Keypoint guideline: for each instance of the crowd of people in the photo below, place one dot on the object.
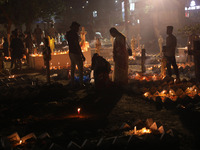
(23, 44)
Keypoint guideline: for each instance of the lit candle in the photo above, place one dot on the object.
(135, 130)
(20, 142)
(79, 111)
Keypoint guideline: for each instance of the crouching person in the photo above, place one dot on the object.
(101, 69)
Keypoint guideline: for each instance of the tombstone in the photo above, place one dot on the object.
(160, 42)
(133, 43)
(143, 57)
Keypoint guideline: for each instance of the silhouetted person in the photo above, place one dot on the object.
(169, 52)
(52, 32)
(29, 45)
(38, 35)
(47, 57)
(75, 52)
(193, 37)
(5, 47)
(17, 50)
(101, 69)
(120, 56)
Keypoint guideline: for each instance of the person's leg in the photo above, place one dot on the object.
(80, 69)
(20, 64)
(168, 65)
(176, 71)
(12, 61)
(72, 68)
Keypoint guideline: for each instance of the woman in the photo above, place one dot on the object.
(120, 57)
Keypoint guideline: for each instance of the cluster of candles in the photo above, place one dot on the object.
(179, 66)
(139, 77)
(138, 132)
(171, 94)
(55, 53)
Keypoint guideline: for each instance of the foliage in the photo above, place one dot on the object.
(27, 11)
(189, 29)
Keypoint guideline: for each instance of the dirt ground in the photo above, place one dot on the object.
(53, 108)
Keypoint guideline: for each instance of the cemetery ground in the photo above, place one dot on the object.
(29, 105)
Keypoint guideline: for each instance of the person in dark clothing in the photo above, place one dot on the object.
(5, 47)
(101, 69)
(169, 52)
(47, 57)
(75, 52)
(17, 51)
(29, 45)
(38, 36)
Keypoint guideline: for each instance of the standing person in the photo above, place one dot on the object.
(5, 47)
(38, 36)
(52, 33)
(169, 52)
(193, 37)
(29, 45)
(47, 58)
(17, 50)
(120, 56)
(75, 52)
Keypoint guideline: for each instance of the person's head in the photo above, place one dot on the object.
(95, 55)
(15, 33)
(113, 32)
(169, 30)
(75, 26)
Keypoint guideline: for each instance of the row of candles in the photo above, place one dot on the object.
(139, 77)
(171, 94)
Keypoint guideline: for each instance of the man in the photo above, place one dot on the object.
(17, 51)
(169, 52)
(38, 35)
(75, 52)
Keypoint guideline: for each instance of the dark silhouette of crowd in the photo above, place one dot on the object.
(22, 44)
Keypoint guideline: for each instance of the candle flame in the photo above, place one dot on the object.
(138, 132)
(79, 110)
(20, 142)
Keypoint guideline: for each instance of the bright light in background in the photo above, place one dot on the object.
(94, 13)
(132, 6)
(192, 3)
(83, 6)
(138, 21)
(87, 2)
(116, 1)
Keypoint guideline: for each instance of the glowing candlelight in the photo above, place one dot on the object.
(135, 130)
(20, 142)
(79, 111)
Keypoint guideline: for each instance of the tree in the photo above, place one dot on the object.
(187, 30)
(20, 12)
